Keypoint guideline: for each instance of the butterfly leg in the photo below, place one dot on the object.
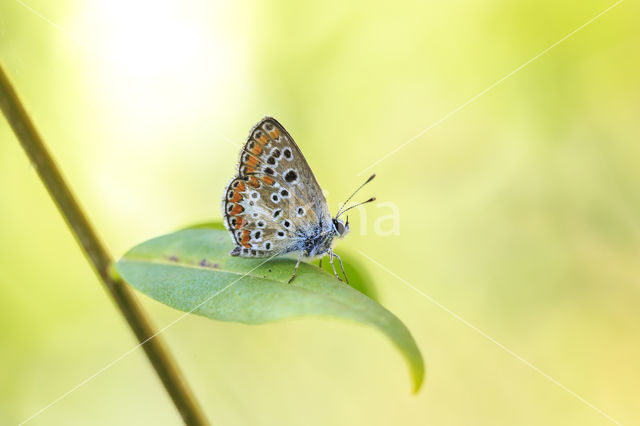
(333, 266)
(295, 270)
(342, 268)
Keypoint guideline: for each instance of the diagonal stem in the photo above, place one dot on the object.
(162, 362)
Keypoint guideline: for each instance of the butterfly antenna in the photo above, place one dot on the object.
(354, 193)
(354, 206)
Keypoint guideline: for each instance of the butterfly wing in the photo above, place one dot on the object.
(275, 202)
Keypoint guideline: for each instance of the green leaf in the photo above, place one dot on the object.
(208, 225)
(358, 276)
(191, 270)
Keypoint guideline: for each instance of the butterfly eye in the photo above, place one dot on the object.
(339, 227)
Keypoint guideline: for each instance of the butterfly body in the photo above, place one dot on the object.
(275, 205)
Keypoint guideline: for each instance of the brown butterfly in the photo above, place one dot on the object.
(275, 205)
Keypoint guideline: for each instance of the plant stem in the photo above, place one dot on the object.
(165, 366)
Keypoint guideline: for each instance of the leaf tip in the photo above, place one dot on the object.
(418, 376)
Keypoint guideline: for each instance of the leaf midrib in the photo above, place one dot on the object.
(196, 266)
(179, 264)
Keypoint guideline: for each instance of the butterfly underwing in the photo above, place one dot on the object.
(274, 205)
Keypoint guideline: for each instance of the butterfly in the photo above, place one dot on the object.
(275, 206)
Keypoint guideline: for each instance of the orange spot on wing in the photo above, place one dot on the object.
(237, 196)
(240, 222)
(257, 149)
(274, 134)
(240, 187)
(246, 235)
(252, 162)
(268, 180)
(263, 139)
(250, 170)
(237, 209)
(253, 181)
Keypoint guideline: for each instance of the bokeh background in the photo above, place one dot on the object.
(520, 213)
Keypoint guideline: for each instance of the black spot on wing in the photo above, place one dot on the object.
(290, 176)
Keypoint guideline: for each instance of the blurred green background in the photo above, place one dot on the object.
(520, 213)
